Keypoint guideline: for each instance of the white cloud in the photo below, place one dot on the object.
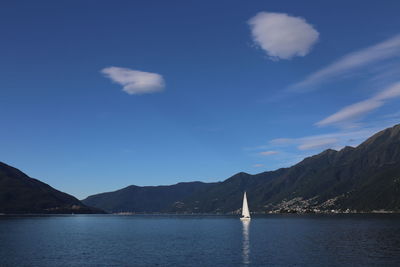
(281, 141)
(282, 36)
(135, 82)
(323, 141)
(258, 165)
(357, 110)
(350, 62)
(380, 75)
(268, 153)
(394, 115)
(293, 150)
(318, 143)
(390, 92)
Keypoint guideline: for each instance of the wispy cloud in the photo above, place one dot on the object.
(318, 143)
(282, 36)
(355, 111)
(281, 141)
(258, 165)
(293, 150)
(135, 82)
(394, 115)
(383, 74)
(333, 140)
(350, 62)
(268, 153)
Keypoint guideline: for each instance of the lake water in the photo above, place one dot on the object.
(140, 240)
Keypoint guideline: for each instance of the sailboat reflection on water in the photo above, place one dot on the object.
(246, 243)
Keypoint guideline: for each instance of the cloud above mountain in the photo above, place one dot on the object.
(282, 36)
(268, 153)
(351, 62)
(355, 111)
(135, 82)
(323, 141)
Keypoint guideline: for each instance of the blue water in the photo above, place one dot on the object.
(139, 240)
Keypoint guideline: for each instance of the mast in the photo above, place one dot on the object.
(245, 208)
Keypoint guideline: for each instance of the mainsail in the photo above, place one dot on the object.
(245, 208)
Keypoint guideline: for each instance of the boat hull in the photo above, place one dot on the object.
(244, 219)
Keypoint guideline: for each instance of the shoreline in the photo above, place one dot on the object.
(202, 214)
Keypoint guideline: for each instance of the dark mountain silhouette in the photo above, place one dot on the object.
(364, 178)
(22, 194)
(146, 198)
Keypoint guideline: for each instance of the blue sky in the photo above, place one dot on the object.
(98, 95)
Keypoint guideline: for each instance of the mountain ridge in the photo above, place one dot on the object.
(362, 178)
(21, 194)
(144, 198)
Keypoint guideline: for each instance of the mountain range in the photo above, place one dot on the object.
(355, 179)
(365, 178)
(21, 194)
(146, 198)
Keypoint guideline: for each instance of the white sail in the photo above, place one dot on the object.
(245, 208)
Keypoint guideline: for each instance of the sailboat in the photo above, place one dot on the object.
(245, 209)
